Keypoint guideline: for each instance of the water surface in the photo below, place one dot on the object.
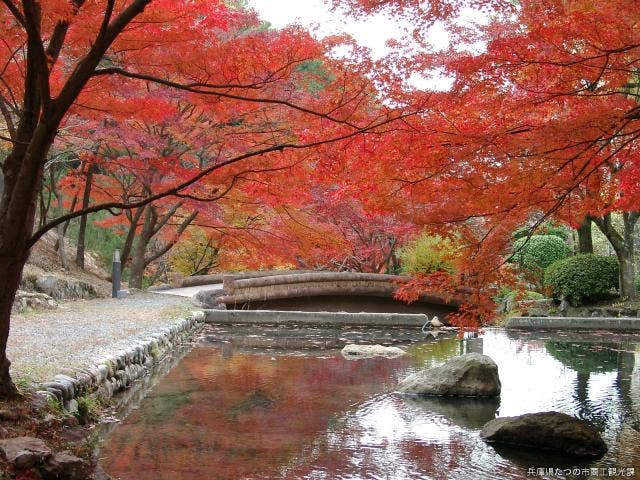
(233, 409)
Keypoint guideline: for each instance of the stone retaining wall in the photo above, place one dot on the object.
(118, 371)
(271, 317)
(617, 324)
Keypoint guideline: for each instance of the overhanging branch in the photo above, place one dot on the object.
(176, 191)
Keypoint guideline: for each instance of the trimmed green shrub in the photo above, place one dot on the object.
(539, 252)
(545, 229)
(428, 254)
(531, 295)
(583, 278)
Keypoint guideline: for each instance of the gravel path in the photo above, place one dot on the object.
(191, 291)
(81, 333)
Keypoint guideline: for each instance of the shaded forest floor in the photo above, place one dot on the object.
(44, 259)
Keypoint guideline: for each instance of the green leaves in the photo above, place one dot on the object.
(583, 278)
(428, 254)
(539, 251)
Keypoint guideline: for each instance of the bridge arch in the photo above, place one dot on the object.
(328, 291)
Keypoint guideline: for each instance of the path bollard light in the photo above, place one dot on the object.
(115, 274)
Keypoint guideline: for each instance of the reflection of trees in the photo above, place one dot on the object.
(628, 434)
(435, 352)
(242, 416)
(585, 359)
(468, 413)
(626, 365)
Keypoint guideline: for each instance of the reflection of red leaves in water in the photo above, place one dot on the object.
(238, 417)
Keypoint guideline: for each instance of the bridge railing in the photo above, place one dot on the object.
(179, 281)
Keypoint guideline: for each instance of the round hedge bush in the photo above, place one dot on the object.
(539, 252)
(583, 278)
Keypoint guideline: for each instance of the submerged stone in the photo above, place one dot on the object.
(352, 351)
(470, 375)
(551, 431)
(465, 412)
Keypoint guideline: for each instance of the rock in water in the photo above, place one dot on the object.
(470, 375)
(367, 351)
(553, 431)
(24, 452)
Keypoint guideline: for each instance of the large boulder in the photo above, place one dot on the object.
(352, 351)
(64, 465)
(211, 299)
(25, 301)
(60, 288)
(24, 452)
(552, 431)
(470, 375)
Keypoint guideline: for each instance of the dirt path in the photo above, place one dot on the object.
(81, 333)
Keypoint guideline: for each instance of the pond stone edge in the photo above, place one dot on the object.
(118, 371)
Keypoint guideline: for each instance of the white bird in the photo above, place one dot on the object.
(434, 323)
(425, 326)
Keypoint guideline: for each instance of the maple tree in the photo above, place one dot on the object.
(541, 120)
(123, 63)
(198, 102)
(332, 232)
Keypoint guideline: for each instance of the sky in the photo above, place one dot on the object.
(372, 32)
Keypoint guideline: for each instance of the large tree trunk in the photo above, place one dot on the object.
(627, 272)
(624, 248)
(152, 225)
(23, 172)
(10, 273)
(83, 220)
(585, 239)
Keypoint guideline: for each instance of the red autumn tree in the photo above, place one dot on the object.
(541, 120)
(86, 58)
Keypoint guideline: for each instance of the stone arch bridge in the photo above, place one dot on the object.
(313, 291)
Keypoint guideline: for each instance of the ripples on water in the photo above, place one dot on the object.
(232, 409)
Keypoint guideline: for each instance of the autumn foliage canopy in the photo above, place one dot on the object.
(196, 114)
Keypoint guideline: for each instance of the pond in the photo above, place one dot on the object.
(274, 403)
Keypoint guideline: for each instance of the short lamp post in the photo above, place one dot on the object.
(115, 274)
